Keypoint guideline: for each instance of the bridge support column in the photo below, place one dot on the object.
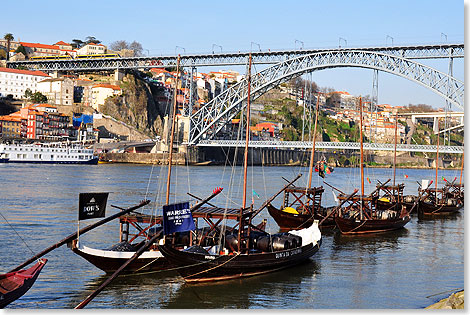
(118, 75)
(435, 125)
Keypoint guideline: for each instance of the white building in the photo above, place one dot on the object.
(92, 49)
(101, 92)
(15, 82)
(59, 91)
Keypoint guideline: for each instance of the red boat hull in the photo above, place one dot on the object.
(13, 285)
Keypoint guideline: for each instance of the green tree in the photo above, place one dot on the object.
(77, 43)
(8, 37)
(36, 97)
(22, 50)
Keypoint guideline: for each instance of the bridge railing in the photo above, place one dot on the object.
(331, 145)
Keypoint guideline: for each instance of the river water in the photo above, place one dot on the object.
(406, 269)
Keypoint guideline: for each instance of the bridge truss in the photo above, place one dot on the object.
(213, 116)
(223, 59)
(331, 146)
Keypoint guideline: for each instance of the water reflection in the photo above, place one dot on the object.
(287, 288)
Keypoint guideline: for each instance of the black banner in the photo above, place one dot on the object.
(92, 205)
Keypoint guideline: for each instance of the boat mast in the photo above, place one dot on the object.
(437, 157)
(362, 155)
(247, 134)
(461, 170)
(362, 149)
(310, 171)
(395, 149)
(173, 116)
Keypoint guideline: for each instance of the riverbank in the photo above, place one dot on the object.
(454, 301)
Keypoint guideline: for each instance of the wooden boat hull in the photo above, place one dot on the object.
(196, 267)
(430, 208)
(110, 261)
(353, 226)
(290, 221)
(13, 285)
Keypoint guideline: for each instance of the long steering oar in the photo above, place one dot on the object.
(138, 253)
(117, 272)
(81, 231)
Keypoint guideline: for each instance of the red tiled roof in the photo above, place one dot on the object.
(37, 45)
(109, 86)
(37, 73)
(62, 43)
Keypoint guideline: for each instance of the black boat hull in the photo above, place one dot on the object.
(196, 267)
(291, 221)
(353, 226)
(431, 209)
(111, 264)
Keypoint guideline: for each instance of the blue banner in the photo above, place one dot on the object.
(177, 218)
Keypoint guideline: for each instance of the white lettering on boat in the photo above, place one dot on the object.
(289, 253)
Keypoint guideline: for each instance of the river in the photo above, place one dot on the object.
(406, 269)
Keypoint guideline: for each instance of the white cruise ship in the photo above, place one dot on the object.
(54, 153)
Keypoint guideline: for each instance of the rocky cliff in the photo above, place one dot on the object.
(138, 105)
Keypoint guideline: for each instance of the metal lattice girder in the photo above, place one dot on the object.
(214, 115)
(221, 59)
(331, 145)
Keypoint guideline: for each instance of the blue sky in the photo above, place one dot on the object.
(161, 26)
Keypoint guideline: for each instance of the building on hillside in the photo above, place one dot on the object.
(59, 91)
(15, 82)
(100, 92)
(45, 122)
(37, 49)
(92, 49)
(10, 127)
(63, 45)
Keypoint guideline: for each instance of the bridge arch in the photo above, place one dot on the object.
(214, 115)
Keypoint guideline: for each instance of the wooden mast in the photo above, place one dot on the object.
(173, 116)
(395, 149)
(312, 155)
(362, 149)
(437, 157)
(362, 156)
(247, 134)
(461, 170)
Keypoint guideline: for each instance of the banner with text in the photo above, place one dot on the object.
(177, 218)
(92, 205)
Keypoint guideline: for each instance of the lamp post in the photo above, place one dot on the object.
(388, 36)
(259, 47)
(299, 42)
(181, 48)
(216, 46)
(345, 42)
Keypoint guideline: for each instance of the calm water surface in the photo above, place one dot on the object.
(394, 270)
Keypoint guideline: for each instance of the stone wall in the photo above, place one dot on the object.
(144, 158)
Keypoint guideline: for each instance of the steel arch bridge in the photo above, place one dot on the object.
(213, 116)
(235, 58)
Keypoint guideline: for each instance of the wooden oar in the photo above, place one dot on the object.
(137, 255)
(339, 206)
(81, 231)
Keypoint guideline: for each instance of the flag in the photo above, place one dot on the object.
(406, 176)
(177, 218)
(368, 180)
(444, 179)
(92, 205)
